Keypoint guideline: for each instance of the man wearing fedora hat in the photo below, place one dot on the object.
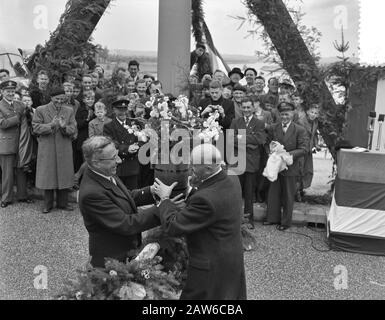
(55, 126)
(282, 191)
(235, 76)
(118, 130)
(11, 116)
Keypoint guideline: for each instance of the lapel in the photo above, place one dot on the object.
(51, 110)
(120, 190)
(120, 128)
(221, 175)
(279, 133)
(127, 194)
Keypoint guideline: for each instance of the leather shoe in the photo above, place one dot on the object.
(250, 225)
(282, 228)
(5, 204)
(26, 200)
(66, 208)
(46, 210)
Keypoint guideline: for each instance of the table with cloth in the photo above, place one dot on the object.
(356, 220)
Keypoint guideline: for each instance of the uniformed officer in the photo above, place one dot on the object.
(120, 131)
(11, 114)
(281, 192)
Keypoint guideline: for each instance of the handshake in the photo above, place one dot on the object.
(163, 192)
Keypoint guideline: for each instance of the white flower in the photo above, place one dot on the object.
(141, 136)
(167, 99)
(164, 114)
(78, 295)
(113, 273)
(154, 114)
(148, 104)
(164, 106)
(132, 291)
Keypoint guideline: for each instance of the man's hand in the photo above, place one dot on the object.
(179, 201)
(133, 148)
(163, 191)
(90, 114)
(54, 123)
(221, 111)
(62, 122)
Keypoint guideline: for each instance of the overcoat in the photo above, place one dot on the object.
(211, 223)
(54, 169)
(111, 216)
(10, 117)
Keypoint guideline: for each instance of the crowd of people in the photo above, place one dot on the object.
(53, 123)
(61, 138)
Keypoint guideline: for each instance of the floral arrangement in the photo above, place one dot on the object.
(157, 271)
(177, 113)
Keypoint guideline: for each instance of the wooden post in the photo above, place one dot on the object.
(174, 45)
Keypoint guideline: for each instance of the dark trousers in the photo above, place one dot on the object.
(131, 182)
(7, 164)
(61, 198)
(21, 184)
(281, 194)
(247, 181)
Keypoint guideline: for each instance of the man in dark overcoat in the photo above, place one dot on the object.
(120, 131)
(109, 210)
(211, 223)
(282, 191)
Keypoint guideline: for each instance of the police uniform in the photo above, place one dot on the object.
(128, 171)
(11, 113)
(282, 191)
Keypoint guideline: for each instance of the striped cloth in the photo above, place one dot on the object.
(356, 220)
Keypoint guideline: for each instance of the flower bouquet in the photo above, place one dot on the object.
(171, 129)
(142, 278)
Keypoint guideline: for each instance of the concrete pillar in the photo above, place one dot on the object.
(174, 45)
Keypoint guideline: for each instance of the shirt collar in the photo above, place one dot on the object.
(214, 174)
(9, 102)
(121, 122)
(102, 175)
(288, 125)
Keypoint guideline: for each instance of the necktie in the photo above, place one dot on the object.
(284, 127)
(247, 120)
(112, 179)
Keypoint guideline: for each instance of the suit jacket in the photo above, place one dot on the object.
(123, 139)
(228, 108)
(255, 138)
(111, 216)
(10, 117)
(82, 125)
(295, 142)
(211, 223)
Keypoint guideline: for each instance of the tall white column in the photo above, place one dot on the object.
(174, 45)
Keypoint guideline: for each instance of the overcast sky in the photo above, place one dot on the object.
(133, 24)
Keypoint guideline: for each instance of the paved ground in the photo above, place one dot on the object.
(283, 266)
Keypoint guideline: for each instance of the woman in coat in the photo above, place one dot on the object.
(55, 126)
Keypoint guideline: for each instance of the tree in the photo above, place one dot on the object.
(69, 46)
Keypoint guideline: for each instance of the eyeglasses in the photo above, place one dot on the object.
(116, 157)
